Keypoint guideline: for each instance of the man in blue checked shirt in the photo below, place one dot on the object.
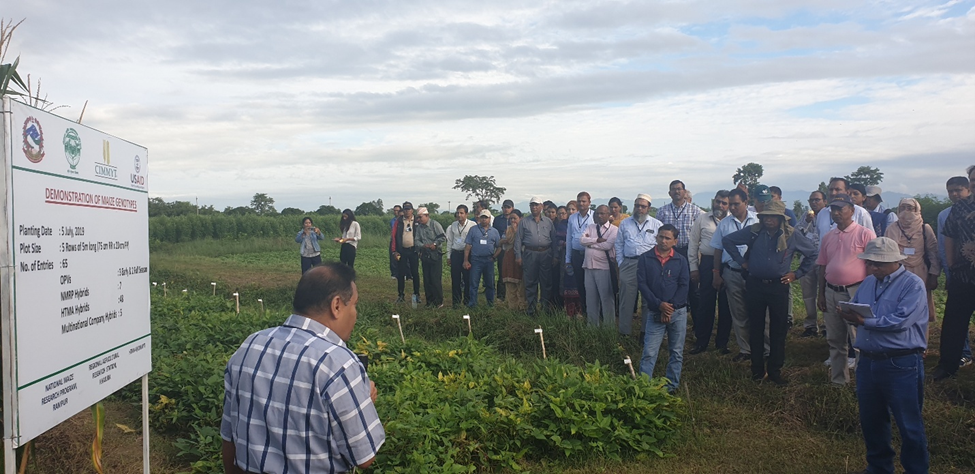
(296, 398)
(890, 372)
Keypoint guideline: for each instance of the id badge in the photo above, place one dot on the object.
(909, 251)
(458, 241)
(484, 242)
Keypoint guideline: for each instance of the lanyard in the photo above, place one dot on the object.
(582, 223)
(677, 215)
(640, 227)
(876, 297)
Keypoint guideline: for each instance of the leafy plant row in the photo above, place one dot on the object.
(452, 406)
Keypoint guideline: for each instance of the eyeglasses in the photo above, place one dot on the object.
(641, 206)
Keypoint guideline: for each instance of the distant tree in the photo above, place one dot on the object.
(328, 209)
(798, 208)
(866, 176)
(824, 188)
(238, 211)
(431, 206)
(157, 207)
(930, 207)
(483, 188)
(207, 210)
(749, 175)
(263, 205)
(291, 211)
(372, 208)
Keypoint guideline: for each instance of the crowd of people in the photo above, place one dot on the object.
(731, 267)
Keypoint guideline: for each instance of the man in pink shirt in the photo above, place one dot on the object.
(599, 239)
(840, 274)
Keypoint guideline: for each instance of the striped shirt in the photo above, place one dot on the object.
(297, 400)
(682, 218)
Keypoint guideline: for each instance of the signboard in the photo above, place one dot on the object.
(76, 264)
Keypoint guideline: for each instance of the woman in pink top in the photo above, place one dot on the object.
(918, 241)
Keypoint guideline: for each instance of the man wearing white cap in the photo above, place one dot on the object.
(429, 239)
(637, 235)
(890, 373)
(480, 252)
(881, 216)
(533, 250)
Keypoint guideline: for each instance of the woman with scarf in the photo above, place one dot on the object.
(919, 243)
(511, 271)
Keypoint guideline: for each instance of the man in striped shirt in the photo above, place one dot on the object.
(296, 398)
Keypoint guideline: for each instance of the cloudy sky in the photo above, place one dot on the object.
(359, 100)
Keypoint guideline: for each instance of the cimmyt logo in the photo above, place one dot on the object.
(33, 140)
(72, 147)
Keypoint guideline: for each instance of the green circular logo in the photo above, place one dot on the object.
(72, 147)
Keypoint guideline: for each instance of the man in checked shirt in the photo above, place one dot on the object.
(296, 398)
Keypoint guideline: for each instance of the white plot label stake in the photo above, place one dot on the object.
(164, 289)
(541, 337)
(214, 285)
(468, 318)
(629, 364)
(400, 325)
(237, 299)
(261, 301)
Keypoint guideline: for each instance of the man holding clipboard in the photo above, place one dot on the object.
(890, 372)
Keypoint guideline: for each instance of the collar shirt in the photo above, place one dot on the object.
(682, 218)
(824, 220)
(838, 251)
(900, 307)
(960, 226)
(575, 228)
(764, 260)
(942, 217)
(297, 400)
(483, 241)
(430, 233)
(353, 234)
(457, 234)
(700, 242)
(534, 234)
(809, 229)
(663, 282)
(598, 253)
(635, 239)
(500, 224)
(727, 226)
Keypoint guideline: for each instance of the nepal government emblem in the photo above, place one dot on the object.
(33, 140)
(72, 147)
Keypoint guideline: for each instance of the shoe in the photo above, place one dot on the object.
(851, 362)
(415, 300)
(939, 374)
(741, 357)
(778, 380)
(822, 334)
(400, 299)
(440, 306)
(758, 377)
(697, 350)
(828, 362)
(809, 332)
(724, 351)
(392, 277)
(964, 362)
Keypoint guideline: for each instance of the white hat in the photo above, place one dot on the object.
(421, 211)
(535, 200)
(882, 249)
(874, 191)
(645, 197)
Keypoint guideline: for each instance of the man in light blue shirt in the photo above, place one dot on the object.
(730, 275)
(890, 372)
(575, 252)
(637, 235)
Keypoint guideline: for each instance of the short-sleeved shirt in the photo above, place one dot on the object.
(838, 253)
(297, 399)
(483, 242)
(960, 226)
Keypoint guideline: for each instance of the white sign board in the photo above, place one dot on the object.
(76, 263)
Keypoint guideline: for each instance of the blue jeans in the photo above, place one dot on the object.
(892, 386)
(482, 266)
(654, 331)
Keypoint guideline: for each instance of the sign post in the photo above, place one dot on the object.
(74, 269)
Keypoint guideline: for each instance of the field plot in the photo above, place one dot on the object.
(488, 402)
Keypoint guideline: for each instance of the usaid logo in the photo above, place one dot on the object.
(136, 178)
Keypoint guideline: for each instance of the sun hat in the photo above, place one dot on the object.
(485, 213)
(773, 208)
(882, 249)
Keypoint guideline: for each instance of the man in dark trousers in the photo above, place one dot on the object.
(771, 245)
